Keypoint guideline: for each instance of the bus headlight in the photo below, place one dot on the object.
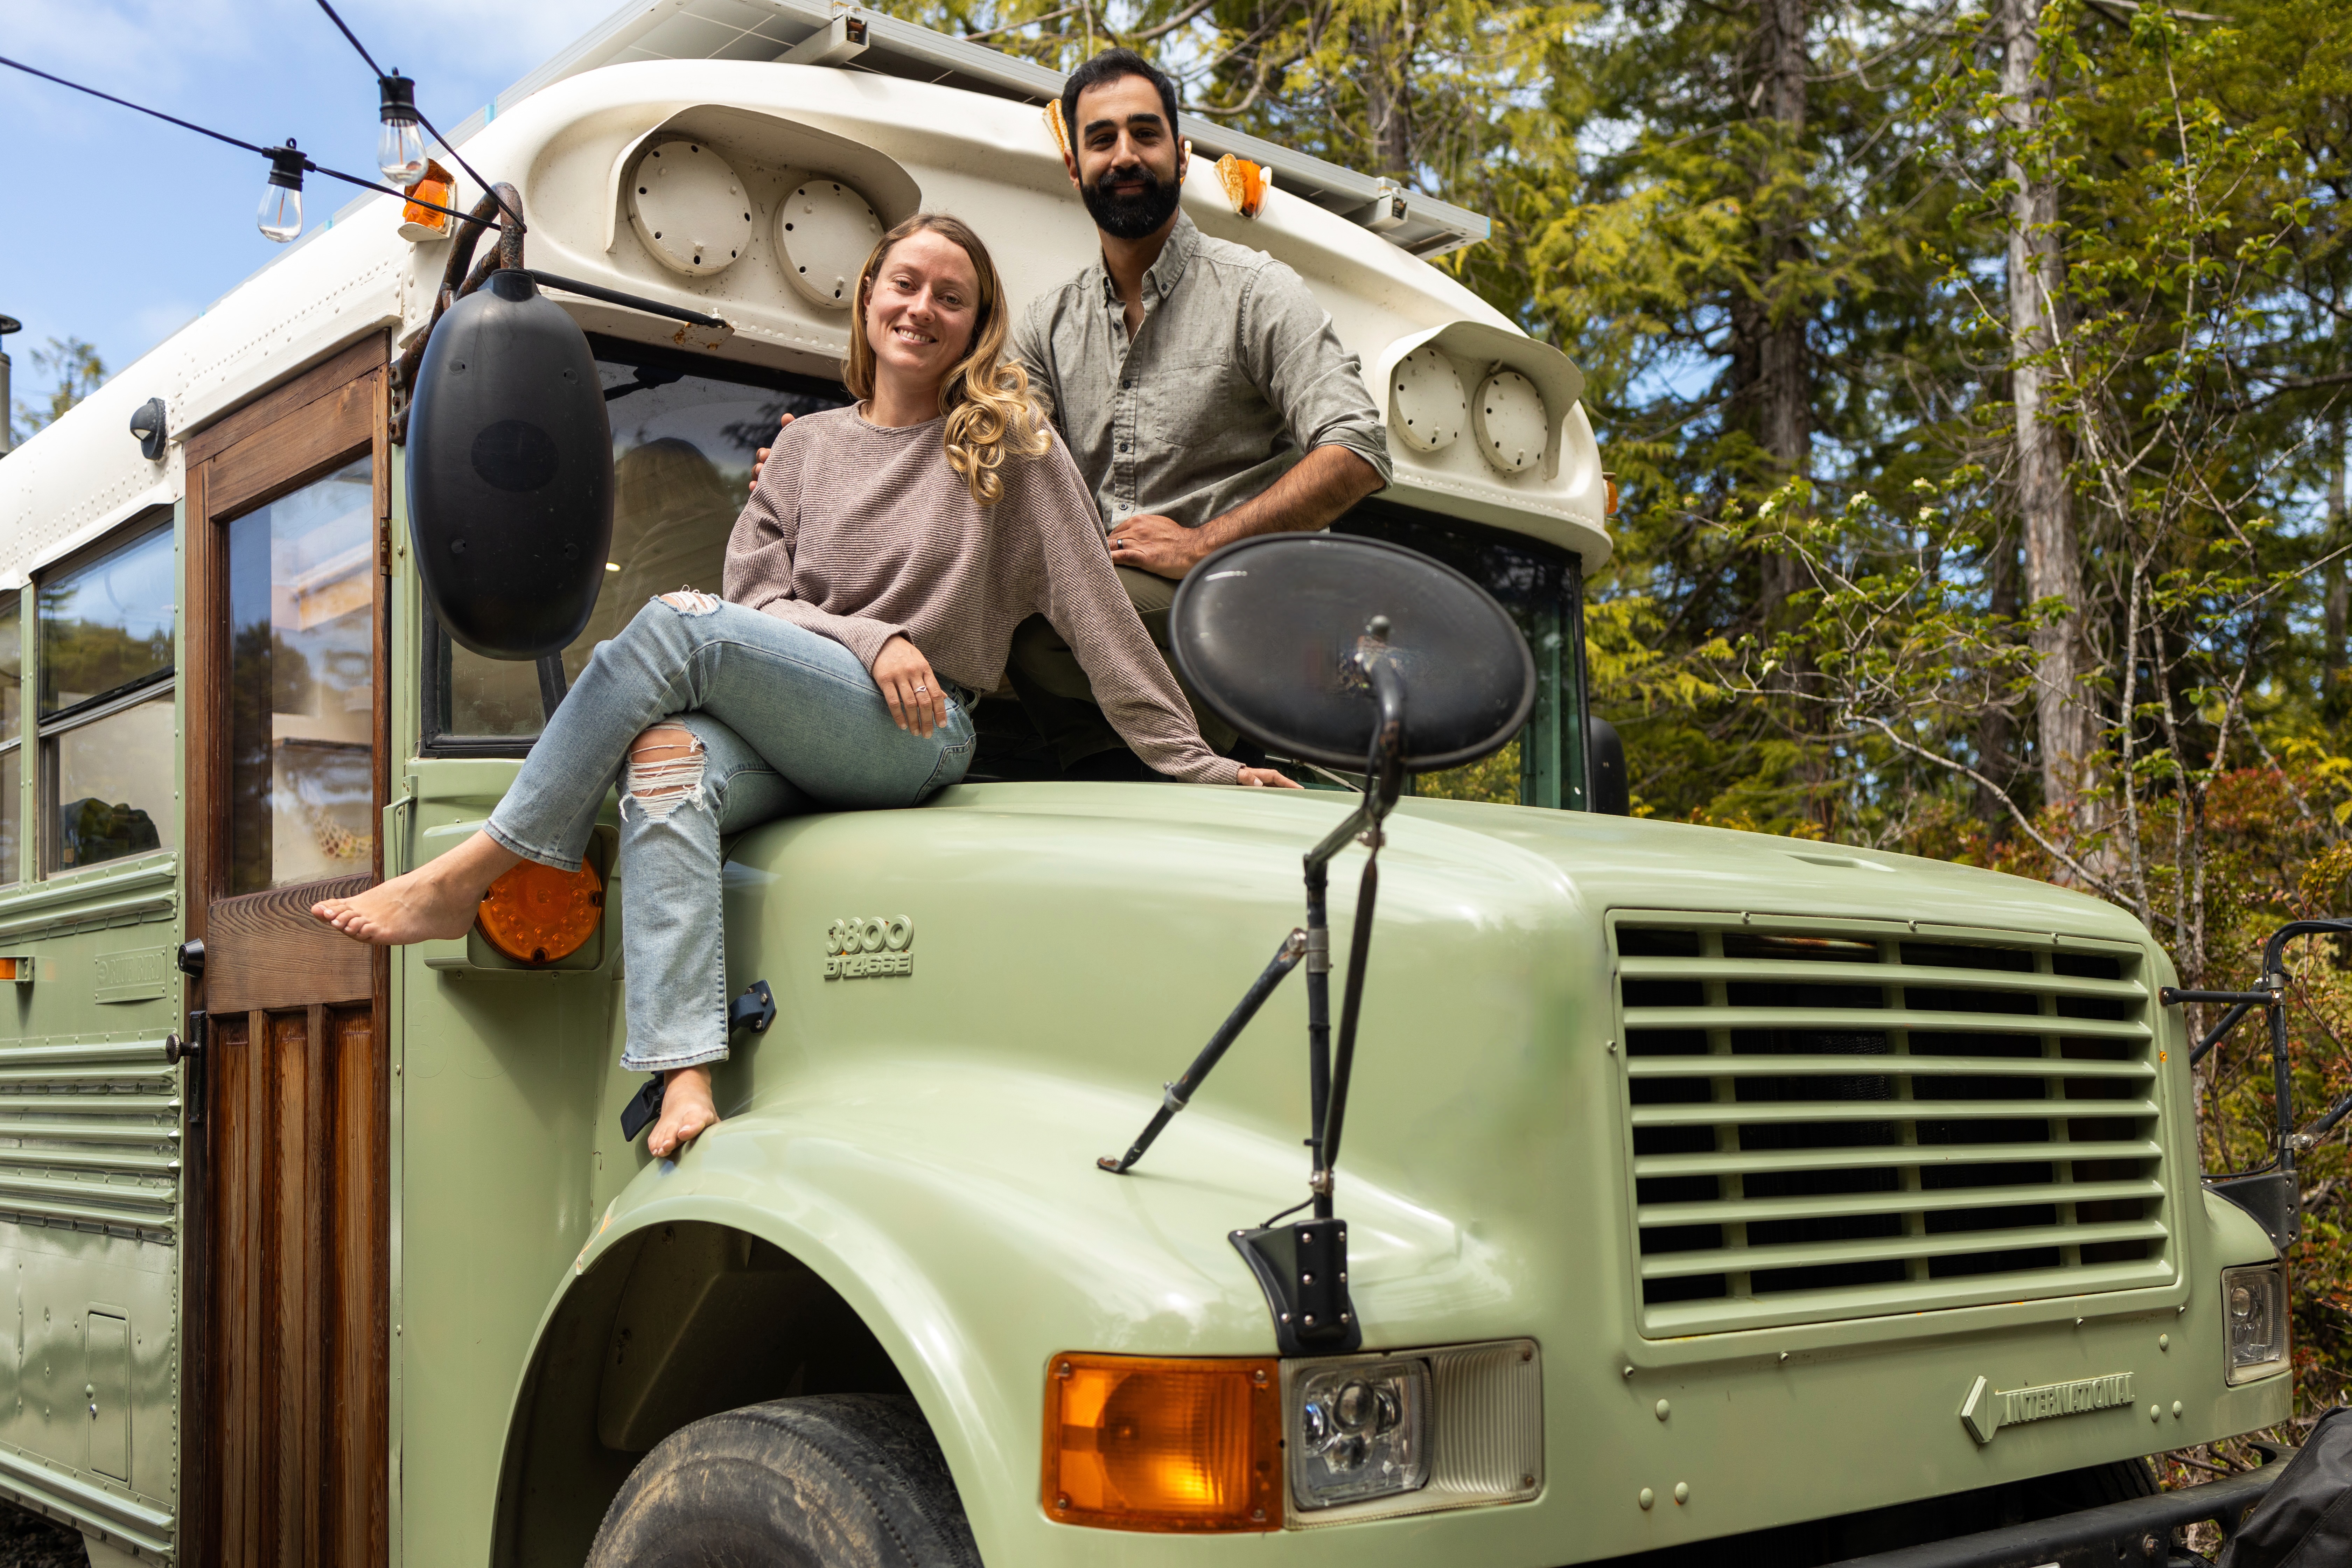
(1359, 1431)
(2253, 1312)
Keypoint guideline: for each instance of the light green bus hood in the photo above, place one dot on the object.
(927, 1143)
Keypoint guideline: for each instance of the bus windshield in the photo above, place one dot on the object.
(685, 435)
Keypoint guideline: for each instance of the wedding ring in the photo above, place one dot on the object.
(920, 690)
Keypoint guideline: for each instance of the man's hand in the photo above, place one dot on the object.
(909, 685)
(1160, 545)
(1267, 778)
(762, 462)
(1317, 490)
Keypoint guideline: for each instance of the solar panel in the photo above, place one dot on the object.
(764, 29)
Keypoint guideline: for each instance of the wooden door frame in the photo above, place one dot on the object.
(280, 441)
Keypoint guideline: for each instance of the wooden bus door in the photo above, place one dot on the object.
(285, 1429)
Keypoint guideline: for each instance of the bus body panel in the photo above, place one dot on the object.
(91, 1163)
(925, 1143)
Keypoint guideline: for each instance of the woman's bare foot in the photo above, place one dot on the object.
(687, 1111)
(439, 898)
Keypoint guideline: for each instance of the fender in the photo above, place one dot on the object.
(954, 1208)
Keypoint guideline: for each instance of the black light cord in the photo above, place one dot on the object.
(447, 146)
(355, 38)
(269, 152)
(184, 125)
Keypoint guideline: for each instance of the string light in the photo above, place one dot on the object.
(281, 198)
(287, 165)
(384, 87)
(399, 149)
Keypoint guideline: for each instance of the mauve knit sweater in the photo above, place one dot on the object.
(862, 531)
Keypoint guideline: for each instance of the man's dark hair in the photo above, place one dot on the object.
(1110, 66)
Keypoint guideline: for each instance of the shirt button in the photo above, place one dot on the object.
(1122, 446)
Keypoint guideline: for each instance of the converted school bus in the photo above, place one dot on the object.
(320, 1255)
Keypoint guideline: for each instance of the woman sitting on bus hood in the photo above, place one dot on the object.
(872, 587)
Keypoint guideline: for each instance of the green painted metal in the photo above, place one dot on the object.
(926, 1145)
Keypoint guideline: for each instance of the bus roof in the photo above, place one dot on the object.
(770, 29)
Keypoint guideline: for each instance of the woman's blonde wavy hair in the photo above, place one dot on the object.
(985, 396)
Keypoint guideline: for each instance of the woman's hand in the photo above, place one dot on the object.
(762, 461)
(910, 688)
(1267, 778)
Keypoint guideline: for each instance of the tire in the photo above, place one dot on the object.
(837, 1480)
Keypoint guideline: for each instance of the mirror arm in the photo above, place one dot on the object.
(1176, 1096)
(1383, 777)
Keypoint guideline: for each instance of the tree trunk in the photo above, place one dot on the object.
(2333, 698)
(1386, 50)
(1996, 736)
(1771, 361)
(2053, 565)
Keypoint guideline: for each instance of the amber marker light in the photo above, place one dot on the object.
(536, 914)
(1136, 1443)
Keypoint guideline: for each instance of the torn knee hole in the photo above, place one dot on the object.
(692, 601)
(665, 770)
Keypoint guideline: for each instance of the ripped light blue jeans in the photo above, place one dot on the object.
(783, 721)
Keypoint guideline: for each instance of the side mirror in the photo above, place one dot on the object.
(1278, 635)
(509, 472)
(1604, 769)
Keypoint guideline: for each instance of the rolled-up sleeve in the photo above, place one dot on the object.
(1293, 353)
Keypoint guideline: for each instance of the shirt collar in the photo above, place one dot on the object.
(1160, 277)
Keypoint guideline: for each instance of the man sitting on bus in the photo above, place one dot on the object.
(1199, 385)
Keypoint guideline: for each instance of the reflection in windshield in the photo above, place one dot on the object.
(684, 446)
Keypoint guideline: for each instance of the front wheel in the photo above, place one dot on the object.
(839, 1480)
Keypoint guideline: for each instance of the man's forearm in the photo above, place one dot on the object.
(1318, 489)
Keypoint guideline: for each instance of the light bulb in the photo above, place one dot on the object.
(400, 146)
(281, 198)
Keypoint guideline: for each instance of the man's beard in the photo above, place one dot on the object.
(1132, 216)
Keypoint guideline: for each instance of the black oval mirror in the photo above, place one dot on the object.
(509, 472)
(1267, 630)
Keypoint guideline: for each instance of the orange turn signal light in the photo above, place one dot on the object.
(1609, 502)
(424, 223)
(1140, 1443)
(536, 914)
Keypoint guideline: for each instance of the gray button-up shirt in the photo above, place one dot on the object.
(1234, 374)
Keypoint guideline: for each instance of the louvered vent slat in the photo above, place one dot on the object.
(1837, 1123)
(90, 1138)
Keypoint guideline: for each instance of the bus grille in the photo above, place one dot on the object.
(1831, 1124)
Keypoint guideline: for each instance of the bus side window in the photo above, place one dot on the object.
(104, 630)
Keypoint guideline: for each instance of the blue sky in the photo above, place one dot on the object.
(121, 228)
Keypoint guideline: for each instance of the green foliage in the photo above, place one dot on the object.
(75, 371)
